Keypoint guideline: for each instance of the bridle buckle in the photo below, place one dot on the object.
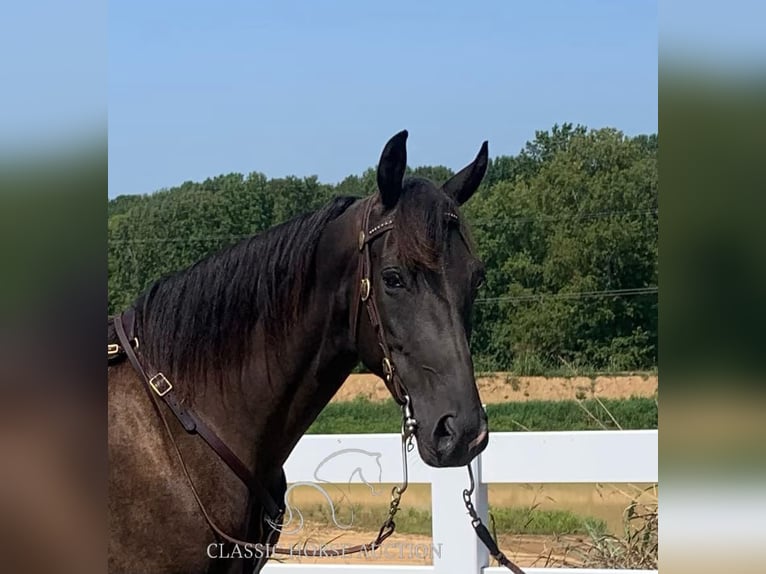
(388, 369)
(160, 384)
(364, 289)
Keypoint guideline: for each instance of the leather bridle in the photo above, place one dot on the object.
(367, 235)
(366, 296)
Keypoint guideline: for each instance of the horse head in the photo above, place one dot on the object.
(422, 278)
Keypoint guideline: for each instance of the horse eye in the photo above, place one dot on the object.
(392, 279)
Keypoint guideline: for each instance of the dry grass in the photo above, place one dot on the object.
(635, 548)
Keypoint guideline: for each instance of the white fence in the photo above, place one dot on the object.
(522, 457)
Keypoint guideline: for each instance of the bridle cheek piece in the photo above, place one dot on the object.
(366, 296)
(367, 235)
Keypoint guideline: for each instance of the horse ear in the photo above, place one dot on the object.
(464, 183)
(393, 162)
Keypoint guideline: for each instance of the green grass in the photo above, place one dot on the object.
(364, 416)
(521, 520)
(635, 413)
(369, 518)
(526, 520)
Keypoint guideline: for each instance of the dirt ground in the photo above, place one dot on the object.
(505, 387)
(525, 550)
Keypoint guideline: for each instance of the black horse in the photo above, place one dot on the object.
(247, 346)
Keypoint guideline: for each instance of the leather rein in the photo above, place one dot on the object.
(160, 390)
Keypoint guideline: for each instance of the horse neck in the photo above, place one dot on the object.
(320, 353)
(272, 399)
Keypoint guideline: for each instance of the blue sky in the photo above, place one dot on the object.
(199, 88)
(52, 79)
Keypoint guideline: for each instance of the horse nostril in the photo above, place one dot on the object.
(444, 432)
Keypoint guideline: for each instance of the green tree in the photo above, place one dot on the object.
(564, 228)
(583, 221)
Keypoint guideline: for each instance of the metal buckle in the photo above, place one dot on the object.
(114, 348)
(160, 384)
(388, 369)
(365, 289)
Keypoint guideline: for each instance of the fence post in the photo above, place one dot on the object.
(481, 503)
(457, 550)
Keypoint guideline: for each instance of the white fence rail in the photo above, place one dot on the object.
(523, 457)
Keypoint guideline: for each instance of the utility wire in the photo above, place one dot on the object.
(489, 222)
(572, 295)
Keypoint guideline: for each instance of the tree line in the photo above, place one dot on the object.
(567, 229)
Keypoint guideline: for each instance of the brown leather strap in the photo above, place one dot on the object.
(343, 551)
(193, 423)
(481, 531)
(495, 552)
(367, 296)
(236, 465)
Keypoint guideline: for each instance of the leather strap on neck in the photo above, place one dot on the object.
(158, 386)
(274, 511)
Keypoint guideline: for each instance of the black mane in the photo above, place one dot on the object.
(200, 319)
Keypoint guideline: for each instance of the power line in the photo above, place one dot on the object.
(572, 295)
(551, 218)
(208, 239)
(479, 222)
